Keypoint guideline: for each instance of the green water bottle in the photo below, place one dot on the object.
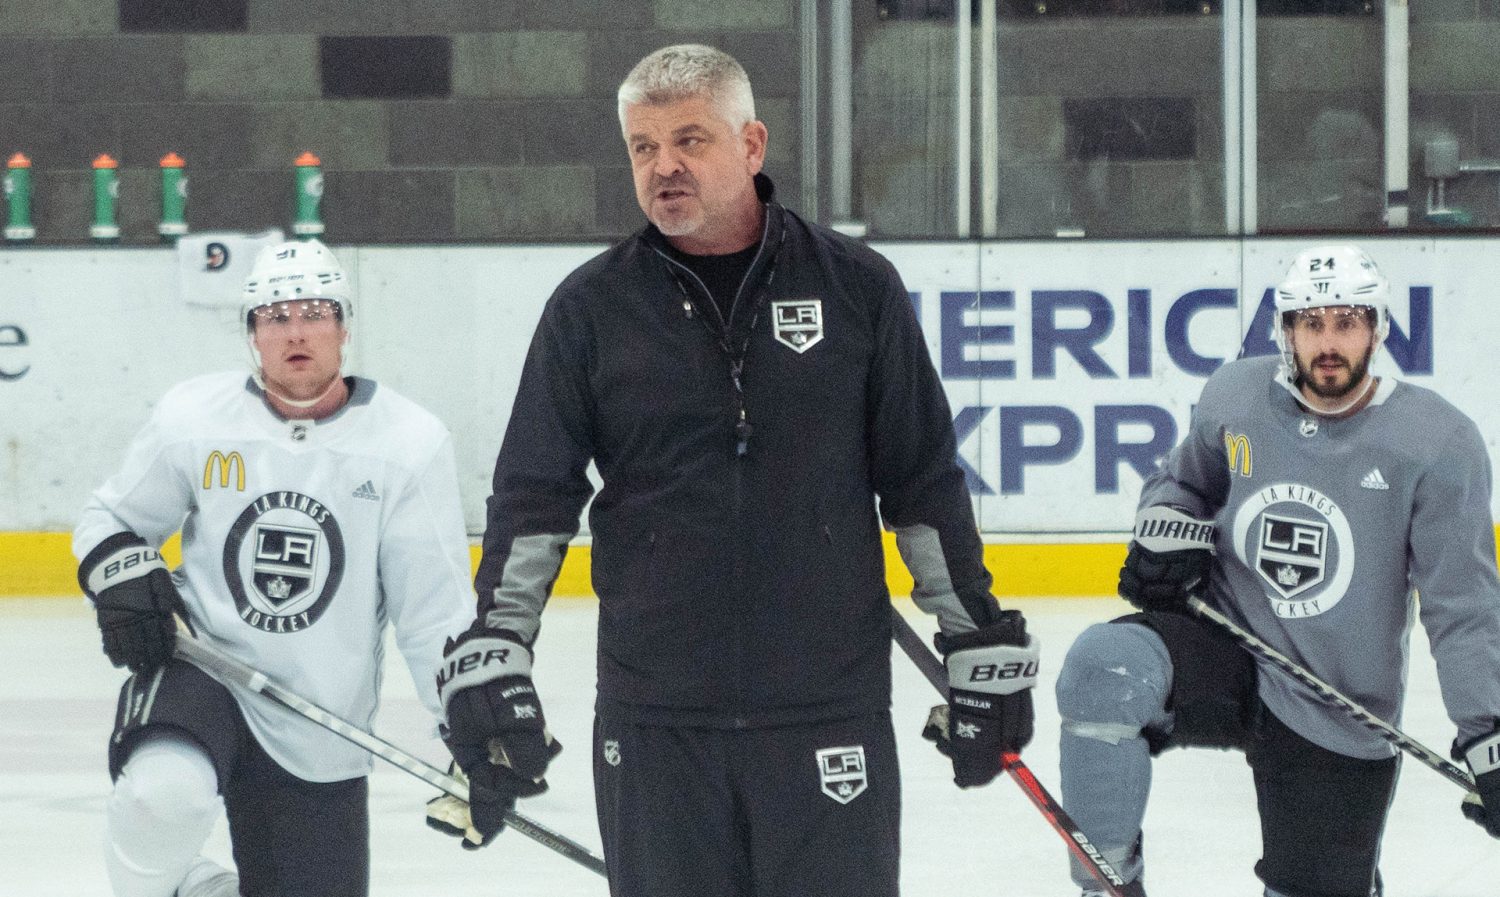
(18, 196)
(309, 196)
(106, 193)
(174, 190)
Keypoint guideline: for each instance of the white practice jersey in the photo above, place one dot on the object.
(301, 540)
(1325, 526)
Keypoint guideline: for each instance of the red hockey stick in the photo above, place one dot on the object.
(1078, 843)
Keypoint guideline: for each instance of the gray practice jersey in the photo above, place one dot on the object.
(1326, 526)
(301, 540)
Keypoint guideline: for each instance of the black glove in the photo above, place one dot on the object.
(1169, 559)
(495, 728)
(1483, 803)
(135, 601)
(991, 672)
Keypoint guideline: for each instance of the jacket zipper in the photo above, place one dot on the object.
(742, 427)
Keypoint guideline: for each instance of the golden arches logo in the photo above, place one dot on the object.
(223, 464)
(1237, 447)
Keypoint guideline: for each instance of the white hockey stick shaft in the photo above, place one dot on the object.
(228, 669)
(1331, 695)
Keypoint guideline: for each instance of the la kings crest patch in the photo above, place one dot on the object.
(1299, 543)
(283, 561)
(841, 771)
(798, 323)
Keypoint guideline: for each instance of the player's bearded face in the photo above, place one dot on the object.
(301, 345)
(1332, 348)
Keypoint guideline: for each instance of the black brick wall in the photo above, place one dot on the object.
(514, 136)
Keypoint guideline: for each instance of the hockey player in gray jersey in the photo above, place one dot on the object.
(315, 509)
(1307, 501)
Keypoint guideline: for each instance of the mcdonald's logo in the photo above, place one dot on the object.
(1237, 447)
(222, 464)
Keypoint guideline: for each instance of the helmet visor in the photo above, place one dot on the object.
(311, 312)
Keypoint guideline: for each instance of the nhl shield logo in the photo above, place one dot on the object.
(842, 772)
(798, 323)
(611, 752)
(1292, 553)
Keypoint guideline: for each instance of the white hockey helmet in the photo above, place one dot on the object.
(1331, 276)
(298, 269)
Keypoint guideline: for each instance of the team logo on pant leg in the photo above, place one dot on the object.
(842, 772)
(283, 561)
(611, 752)
(1299, 543)
(798, 323)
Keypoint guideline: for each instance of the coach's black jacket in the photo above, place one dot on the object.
(738, 563)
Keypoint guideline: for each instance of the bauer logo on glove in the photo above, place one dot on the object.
(991, 672)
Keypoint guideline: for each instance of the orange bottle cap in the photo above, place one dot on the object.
(19, 160)
(307, 159)
(105, 161)
(172, 160)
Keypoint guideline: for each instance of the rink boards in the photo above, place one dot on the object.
(1070, 367)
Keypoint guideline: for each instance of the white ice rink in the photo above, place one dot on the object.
(57, 699)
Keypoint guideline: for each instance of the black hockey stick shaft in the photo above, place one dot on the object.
(229, 669)
(1330, 695)
(1078, 843)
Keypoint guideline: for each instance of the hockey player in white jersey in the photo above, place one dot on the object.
(315, 509)
(1307, 501)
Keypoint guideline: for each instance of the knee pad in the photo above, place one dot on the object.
(159, 815)
(1114, 682)
(167, 779)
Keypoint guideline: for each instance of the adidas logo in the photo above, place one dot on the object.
(1373, 480)
(367, 491)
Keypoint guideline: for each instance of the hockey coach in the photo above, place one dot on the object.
(748, 384)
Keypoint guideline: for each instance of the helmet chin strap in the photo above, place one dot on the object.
(1328, 412)
(299, 403)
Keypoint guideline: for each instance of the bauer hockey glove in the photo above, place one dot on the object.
(495, 728)
(134, 600)
(1169, 558)
(991, 672)
(1482, 805)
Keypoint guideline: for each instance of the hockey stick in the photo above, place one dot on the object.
(1331, 695)
(228, 669)
(1078, 843)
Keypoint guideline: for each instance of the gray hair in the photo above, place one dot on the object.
(683, 71)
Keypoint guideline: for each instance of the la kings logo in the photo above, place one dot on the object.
(842, 772)
(283, 561)
(1298, 541)
(798, 323)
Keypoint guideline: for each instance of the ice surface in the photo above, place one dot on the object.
(57, 698)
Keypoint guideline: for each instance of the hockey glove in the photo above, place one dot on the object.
(1483, 803)
(991, 672)
(495, 728)
(134, 599)
(1169, 558)
(451, 816)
